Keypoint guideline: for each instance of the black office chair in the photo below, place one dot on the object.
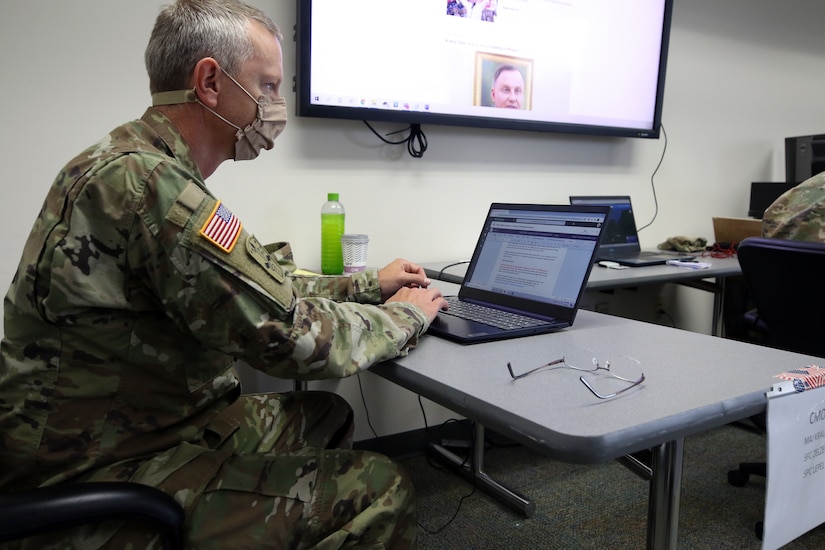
(786, 286)
(38, 511)
(784, 279)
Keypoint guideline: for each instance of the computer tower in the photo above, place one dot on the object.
(804, 157)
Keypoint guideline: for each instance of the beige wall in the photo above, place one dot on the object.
(742, 75)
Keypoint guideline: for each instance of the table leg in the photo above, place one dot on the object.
(718, 313)
(663, 501)
(474, 470)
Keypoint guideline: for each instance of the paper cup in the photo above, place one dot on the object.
(354, 249)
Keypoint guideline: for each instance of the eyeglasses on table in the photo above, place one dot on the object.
(623, 368)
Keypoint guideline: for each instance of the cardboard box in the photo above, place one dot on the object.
(733, 230)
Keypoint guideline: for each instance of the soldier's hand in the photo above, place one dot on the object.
(429, 300)
(401, 273)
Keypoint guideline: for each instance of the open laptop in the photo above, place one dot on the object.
(531, 261)
(620, 243)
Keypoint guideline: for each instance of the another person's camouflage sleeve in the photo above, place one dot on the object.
(242, 302)
(799, 213)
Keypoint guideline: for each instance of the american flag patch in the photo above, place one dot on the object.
(812, 376)
(222, 228)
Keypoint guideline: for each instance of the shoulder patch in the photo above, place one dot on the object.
(191, 196)
(185, 204)
(222, 228)
(258, 252)
(262, 269)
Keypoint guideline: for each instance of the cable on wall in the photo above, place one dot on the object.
(416, 141)
(653, 185)
(364, 401)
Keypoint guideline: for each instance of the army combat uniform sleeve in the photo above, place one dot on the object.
(237, 297)
(361, 287)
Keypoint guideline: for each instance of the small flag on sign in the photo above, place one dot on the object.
(812, 376)
(222, 228)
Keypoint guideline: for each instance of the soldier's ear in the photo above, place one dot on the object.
(206, 82)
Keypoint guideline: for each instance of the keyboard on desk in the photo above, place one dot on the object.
(488, 315)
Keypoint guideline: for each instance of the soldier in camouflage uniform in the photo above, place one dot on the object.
(137, 292)
(799, 213)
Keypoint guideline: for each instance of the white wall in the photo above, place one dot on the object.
(742, 75)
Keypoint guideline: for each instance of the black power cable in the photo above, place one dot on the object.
(416, 140)
(428, 530)
(437, 530)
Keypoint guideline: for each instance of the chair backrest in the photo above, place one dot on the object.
(786, 283)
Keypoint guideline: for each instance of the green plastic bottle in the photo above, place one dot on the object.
(332, 229)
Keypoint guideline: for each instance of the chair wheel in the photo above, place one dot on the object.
(738, 478)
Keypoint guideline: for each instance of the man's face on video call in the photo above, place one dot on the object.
(508, 90)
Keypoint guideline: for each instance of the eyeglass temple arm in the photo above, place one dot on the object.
(614, 394)
(522, 375)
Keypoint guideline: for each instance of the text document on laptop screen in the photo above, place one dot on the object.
(523, 254)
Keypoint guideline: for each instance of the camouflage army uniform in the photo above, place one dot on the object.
(123, 324)
(799, 214)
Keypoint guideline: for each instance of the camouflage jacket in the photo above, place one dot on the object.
(128, 312)
(799, 213)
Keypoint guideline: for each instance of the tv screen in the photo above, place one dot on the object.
(573, 66)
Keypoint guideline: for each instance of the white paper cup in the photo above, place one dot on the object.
(354, 249)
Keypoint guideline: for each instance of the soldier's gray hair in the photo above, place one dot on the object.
(189, 30)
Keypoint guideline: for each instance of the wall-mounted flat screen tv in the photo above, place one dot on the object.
(573, 66)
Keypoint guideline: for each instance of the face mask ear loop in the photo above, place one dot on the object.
(238, 84)
(216, 114)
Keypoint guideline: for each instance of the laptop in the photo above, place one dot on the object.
(531, 262)
(620, 243)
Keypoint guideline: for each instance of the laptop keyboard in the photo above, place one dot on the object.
(489, 316)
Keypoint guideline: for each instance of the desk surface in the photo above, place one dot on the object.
(602, 278)
(694, 382)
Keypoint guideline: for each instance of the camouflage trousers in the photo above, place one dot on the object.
(279, 474)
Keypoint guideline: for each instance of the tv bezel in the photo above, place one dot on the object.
(304, 107)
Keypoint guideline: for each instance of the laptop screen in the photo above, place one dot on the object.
(620, 231)
(535, 253)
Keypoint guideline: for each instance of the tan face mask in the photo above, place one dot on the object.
(259, 134)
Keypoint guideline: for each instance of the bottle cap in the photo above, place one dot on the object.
(332, 196)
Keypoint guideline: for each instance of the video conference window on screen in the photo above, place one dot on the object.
(592, 62)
